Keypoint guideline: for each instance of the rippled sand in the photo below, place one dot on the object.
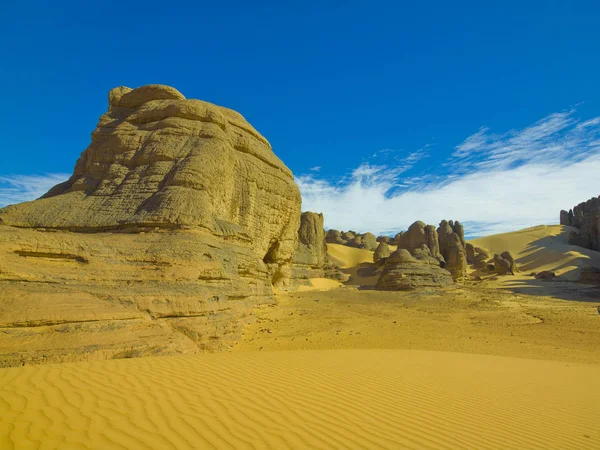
(303, 399)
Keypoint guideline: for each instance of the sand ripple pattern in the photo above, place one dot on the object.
(326, 399)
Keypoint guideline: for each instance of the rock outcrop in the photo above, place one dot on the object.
(403, 271)
(381, 252)
(177, 220)
(502, 265)
(586, 218)
(417, 235)
(366, 241)
(310, 258)
(334, 237)
(453, 248)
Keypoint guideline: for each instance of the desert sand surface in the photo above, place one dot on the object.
(302, 399)
(496, 362)
(545, 247)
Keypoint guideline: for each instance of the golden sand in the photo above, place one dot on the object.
(302, 399)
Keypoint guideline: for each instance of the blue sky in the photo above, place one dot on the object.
(386, 112)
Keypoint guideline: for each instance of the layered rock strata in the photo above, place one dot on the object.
(403, 271)
(194, 219)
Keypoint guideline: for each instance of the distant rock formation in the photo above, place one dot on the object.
(310, 257)
(403, 271)
(334, 237)
(586, 218)
(417, 235)
(366, 241)
(381, 252)
(194, 219)
(385, 239)
(453, 248)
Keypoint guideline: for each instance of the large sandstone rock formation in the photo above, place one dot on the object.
(586, 218)
(310, 258)
(403, 271)
(193, 217)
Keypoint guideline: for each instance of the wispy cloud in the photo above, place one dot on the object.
(315, 169)
(491, 182)
(22, 188)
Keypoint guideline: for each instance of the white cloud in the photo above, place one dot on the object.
(493, 183)
(315, 169)
(22, 188)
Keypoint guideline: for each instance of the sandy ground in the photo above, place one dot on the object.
(302, 399)
(504, 362)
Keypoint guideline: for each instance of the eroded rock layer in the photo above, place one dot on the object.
(177, 220)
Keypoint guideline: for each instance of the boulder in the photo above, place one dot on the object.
(402, 271)
(509, 257)
(381, 252)
(385, 239)
(419, 234)
(470, 251)
(366, 241)
(545, 275)
(502, 266)
(564, 218)
(348, 235)
(334, 237)
(178, 214)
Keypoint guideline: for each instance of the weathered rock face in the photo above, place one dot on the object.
(385, 239)
(509, 257)
(586, 218)
(403, 271)
(453, 247)
(470, 250)
(334, 237)
(419, 234)
(456, 257)
(157, 160)
(223, 214)
(381, 252)
(310, 257)
(366, 241)
(502, 266)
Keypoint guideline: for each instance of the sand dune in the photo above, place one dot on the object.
(545, 247)
(305, 399)
(349, 257)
